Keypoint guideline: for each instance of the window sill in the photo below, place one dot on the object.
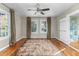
(2, 38)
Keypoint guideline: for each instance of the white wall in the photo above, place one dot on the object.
(20, 27)
(53, 27)
(23, 27)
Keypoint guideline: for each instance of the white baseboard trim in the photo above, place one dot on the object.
(18, 39)
(73, 48)
(4, 48)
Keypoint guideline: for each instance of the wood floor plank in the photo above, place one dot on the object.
(68, 50)
(11, 50)
(60, 45)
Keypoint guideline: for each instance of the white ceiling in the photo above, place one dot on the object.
(55, 8)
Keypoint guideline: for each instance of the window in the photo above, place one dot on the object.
(4, 24)
(4, 27)
(43, 26)
(39, 26)
(34, 26)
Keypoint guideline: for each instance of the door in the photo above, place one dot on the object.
(39, 27)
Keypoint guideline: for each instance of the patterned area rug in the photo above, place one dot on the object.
(38, 48)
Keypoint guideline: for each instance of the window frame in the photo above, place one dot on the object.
(8, 19)
(36, 21)
(41, 27)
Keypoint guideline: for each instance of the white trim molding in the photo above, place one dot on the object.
(4, 48)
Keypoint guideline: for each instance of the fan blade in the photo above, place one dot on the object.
(46, 9)
(31, 10)
(42, 13)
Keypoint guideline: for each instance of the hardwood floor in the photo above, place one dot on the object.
(12, 50)
(38, 47)
(68, 50)
(75, 44)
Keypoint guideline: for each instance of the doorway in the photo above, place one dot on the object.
(38, 27)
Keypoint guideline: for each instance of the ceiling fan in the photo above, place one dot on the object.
(38, 9)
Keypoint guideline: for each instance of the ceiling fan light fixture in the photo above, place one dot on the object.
(42, 13)
(39, 10)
